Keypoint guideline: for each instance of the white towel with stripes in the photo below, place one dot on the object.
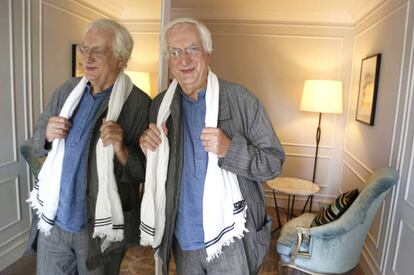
(224, 209)
(44, 198)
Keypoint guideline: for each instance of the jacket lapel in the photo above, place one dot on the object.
(224, 108)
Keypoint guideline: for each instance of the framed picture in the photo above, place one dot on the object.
(368, 89)
(77, 62)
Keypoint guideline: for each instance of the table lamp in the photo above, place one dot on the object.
(320, 96)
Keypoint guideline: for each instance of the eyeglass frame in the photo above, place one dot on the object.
(193, 51)
(96, 52)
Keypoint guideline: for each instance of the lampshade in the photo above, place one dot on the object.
(140, 79)
(322, 96)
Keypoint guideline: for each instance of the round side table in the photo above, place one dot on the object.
(292, 187)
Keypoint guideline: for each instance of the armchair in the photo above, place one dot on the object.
(29, 154)
(334, 247)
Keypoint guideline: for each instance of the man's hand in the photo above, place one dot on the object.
(112, 133)
(57, 127)
(151, 138)
(215, 141)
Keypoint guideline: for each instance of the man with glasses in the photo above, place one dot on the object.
(86, 196)
(209, 146)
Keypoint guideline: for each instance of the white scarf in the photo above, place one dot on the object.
(224, 209)
(44, 198)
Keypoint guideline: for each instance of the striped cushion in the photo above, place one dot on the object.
(336, 208)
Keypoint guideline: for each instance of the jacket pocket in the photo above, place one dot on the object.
(263, 239)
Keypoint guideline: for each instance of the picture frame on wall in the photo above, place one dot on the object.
(368, 89)
(77, 62)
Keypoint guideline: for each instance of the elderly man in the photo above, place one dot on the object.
(219, 145)
(86, 193)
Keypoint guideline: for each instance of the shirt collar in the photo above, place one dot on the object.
(200, 96)
(98, 95)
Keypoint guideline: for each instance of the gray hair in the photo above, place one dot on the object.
(123, 42)
(204, 33)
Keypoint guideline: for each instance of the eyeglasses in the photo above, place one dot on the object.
(96, 52)
(192, 51)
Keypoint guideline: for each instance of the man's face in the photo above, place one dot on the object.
(101, 64)
(188, 62)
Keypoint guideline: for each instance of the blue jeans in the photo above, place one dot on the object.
(64, 253)
(231, 262)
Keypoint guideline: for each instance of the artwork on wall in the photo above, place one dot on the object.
(77, 62)
(368, 89)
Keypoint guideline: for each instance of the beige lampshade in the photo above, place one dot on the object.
(140, 79)
(322, 96)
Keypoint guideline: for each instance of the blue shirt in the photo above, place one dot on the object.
(71, 212)
(189, 229)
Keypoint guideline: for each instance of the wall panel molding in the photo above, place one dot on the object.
(15, 180)
(410, 172)
(256, 34)
(349, 166)
(269, 194)
(15, 245)
(367, 266)
(142, 26)
(402, 224)
(359, 162)
(13, 94)
(305, 145)
(28, 85)
(144, 33)
(397, 139)
(8, 163)
(79, 8)
(261, 23)
(373, 263)
(41, 92)
(12, 88)
(312, 156)
(259, 15)
(374, 18)
(67, 11)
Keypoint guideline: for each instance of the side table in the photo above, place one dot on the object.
(292, 187)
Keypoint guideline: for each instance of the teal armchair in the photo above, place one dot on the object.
(334, 247)
(29, 154)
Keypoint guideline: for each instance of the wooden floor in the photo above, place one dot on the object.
(140, 261)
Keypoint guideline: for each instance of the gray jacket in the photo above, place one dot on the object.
(133, 119)
(254, 155)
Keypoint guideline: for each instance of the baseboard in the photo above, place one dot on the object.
(12, 255)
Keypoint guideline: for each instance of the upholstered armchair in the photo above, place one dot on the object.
(29, 154)
(334, 247)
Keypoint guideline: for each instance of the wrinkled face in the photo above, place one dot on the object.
(100, 63)
(188, 62)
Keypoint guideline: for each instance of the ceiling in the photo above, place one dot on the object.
(346, 12)
(127, 9)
